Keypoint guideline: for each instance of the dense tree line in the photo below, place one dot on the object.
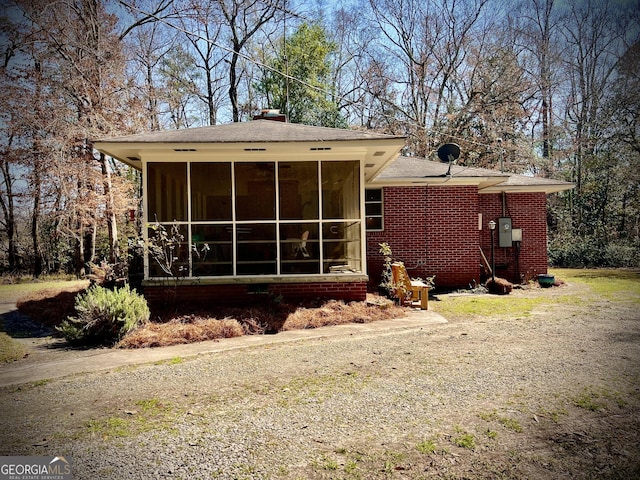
(540, 87)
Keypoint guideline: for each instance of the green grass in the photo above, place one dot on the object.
(152, 414)
(598, 399)
(465, 440)
(612, 284)
(171, 361)
(15, 291)
(507, 422)
(588, 401)
(492, 434)
(609, 284)
(304, 390)
(10, 349)
(491, 305)
(426, 447)
(110, 427)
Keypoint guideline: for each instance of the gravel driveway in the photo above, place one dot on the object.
(555, 394)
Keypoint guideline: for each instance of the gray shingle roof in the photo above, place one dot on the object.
(252, 132)
(411, 168)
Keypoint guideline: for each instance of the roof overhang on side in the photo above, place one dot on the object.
(375, 153)
(480, 182)
(533, 188)
(486, 185)
(412, 171)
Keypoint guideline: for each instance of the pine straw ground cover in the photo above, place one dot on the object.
(255, 320)
(51, 306)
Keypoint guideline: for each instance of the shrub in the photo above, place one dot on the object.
(566, 251)
(104, 316)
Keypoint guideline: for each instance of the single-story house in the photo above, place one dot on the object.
(299, 212)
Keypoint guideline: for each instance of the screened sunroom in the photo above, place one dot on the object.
(257, 218)
(256, 202)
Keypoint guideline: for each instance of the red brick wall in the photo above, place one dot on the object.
(405, 211)
(528, 212)
(434, 231)
(158, 296)
(452, 251)
(347, 291)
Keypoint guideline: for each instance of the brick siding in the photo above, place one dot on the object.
(202, 295)
(434, 231)
(528, 212)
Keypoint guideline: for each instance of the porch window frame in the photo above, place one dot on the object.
(321, 222)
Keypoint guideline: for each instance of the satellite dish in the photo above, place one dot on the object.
(449, 152)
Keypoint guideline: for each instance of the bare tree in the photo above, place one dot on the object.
(592, 52)
(178, 77)
(84, 69)
(496, 98)
(203, 22)
(362, 88)
(427, 43)
(148, 44)
(624, 105)
(244, 19)
(9, 157)
(536, 27)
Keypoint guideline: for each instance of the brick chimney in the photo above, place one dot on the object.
(271, 114)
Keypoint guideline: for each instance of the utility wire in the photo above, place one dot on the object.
(222, 47)
(285, 74)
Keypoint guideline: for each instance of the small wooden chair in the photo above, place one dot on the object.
(408, 290)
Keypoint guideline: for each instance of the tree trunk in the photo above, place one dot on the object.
(35, 219)
(233, 87)
(210, 100)
(153, 101)
(112, 225)
(8, 211)
(79, 254)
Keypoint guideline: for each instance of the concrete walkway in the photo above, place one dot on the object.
(49, 358)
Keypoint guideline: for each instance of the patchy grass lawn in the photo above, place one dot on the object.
(14, 288)
(611, 284)
(10, 349)
(52, 302)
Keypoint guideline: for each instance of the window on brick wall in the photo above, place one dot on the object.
(373, 209)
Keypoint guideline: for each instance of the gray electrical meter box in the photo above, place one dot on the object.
(504, 232)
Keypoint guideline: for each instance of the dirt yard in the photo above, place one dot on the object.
(548, 390)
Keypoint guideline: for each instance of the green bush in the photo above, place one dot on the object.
(104, 316)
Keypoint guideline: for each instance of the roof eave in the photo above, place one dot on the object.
(540, 188)
(481, 182)
(376, 152)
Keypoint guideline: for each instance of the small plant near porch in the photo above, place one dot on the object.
(387, 286)
(164, 247)
(168, 250)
